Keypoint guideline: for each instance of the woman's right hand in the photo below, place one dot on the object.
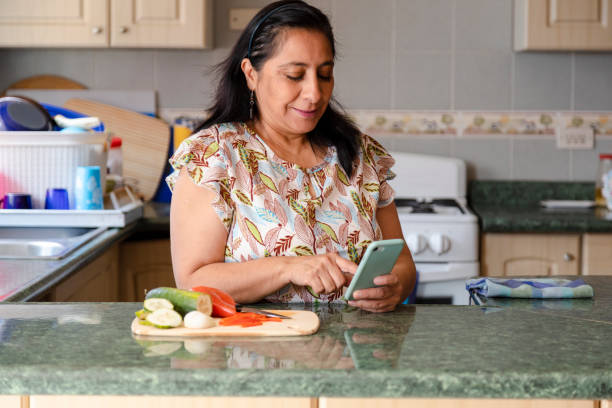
(326, 273)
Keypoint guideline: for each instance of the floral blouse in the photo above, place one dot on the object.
(272, 207)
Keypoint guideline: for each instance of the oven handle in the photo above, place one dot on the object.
(436, 272)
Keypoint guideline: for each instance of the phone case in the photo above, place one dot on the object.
(378, 260)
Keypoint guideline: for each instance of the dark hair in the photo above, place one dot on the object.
(231, 102)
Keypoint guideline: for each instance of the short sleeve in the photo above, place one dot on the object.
(382, 161)
(206, 164)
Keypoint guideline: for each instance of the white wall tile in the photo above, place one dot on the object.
(184, 79)
(75, 64)
(483, 25)
(422, 81)
(115, 69)
(539, 159)
(543, 81)
(585, 162)
(362, 80)
(483, 81)
(362, 24)
(429, 144)
(593, 82)
(486, 158)
(423, 25)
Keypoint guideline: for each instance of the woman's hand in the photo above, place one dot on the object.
(380, 299)
(325, 273)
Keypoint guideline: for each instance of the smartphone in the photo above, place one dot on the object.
(378, 260)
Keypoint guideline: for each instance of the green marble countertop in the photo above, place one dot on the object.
(514, 206)
(517, 349)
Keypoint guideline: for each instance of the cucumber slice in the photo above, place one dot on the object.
(184, 301)
(154, 304)
(165, 318)
(142, 314)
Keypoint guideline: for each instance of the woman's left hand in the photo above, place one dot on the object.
(383, 298)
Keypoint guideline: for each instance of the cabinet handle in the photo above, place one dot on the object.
(567, 257)
(123, 29)
(96, 30)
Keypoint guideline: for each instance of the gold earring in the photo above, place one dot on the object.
(251, 103)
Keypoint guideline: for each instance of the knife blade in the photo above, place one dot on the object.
(246, 309)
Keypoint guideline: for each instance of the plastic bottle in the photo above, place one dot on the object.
(115, 159)
(603, 183)
(114, 166)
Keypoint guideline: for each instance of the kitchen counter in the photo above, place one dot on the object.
(505, 206)
(519, 349)
(26, 280)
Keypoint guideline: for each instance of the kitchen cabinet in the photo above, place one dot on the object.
(161, 23)
(10, 401)
(456, 403)
(106, 23)
(54, 23)
(144, 265)
(80, 401)
(581, 25)
(96, 282)
(530, 254)
(597, 254)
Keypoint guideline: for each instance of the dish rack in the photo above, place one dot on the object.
(121, 207)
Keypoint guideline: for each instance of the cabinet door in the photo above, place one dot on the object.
(597, 254)
(563, 25)
(161, 23)
(96, 282)
(144, 265)
(54, 23)
(530, 254)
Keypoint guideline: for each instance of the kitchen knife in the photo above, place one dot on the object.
(246, 309)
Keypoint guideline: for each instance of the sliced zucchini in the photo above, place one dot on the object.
(165, 319)
(153, 304)
(184, 301)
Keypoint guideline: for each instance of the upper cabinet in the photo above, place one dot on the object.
(161, 23)
(106, 23)
(563, 25)
(54, 23)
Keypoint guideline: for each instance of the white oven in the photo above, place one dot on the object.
(439, 228)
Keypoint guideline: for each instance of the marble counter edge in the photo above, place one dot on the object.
(298, 383)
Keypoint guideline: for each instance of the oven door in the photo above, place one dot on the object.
(445, 282)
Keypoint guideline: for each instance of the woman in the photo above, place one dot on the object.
(277, 195)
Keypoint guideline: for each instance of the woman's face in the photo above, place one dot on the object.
(294, 86)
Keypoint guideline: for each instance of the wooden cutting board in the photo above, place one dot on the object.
(302, 323)
(145, 141)
(46, 82)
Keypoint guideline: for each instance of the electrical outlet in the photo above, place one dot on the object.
(575, 138)
(240, 17)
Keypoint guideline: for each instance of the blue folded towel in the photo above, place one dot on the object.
(530, 288)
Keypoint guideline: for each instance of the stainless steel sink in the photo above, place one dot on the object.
(43, 242)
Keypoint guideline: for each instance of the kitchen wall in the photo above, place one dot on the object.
(432, 55)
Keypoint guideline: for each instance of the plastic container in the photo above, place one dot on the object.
(603, 183)
(31, 162)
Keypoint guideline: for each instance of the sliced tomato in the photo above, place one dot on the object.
(223, 304)
(247, 320)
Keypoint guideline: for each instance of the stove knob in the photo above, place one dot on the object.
(416, 243)
(439, 243)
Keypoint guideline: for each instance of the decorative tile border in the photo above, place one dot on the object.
(460, 124)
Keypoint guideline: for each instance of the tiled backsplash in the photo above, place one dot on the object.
(495, 145)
